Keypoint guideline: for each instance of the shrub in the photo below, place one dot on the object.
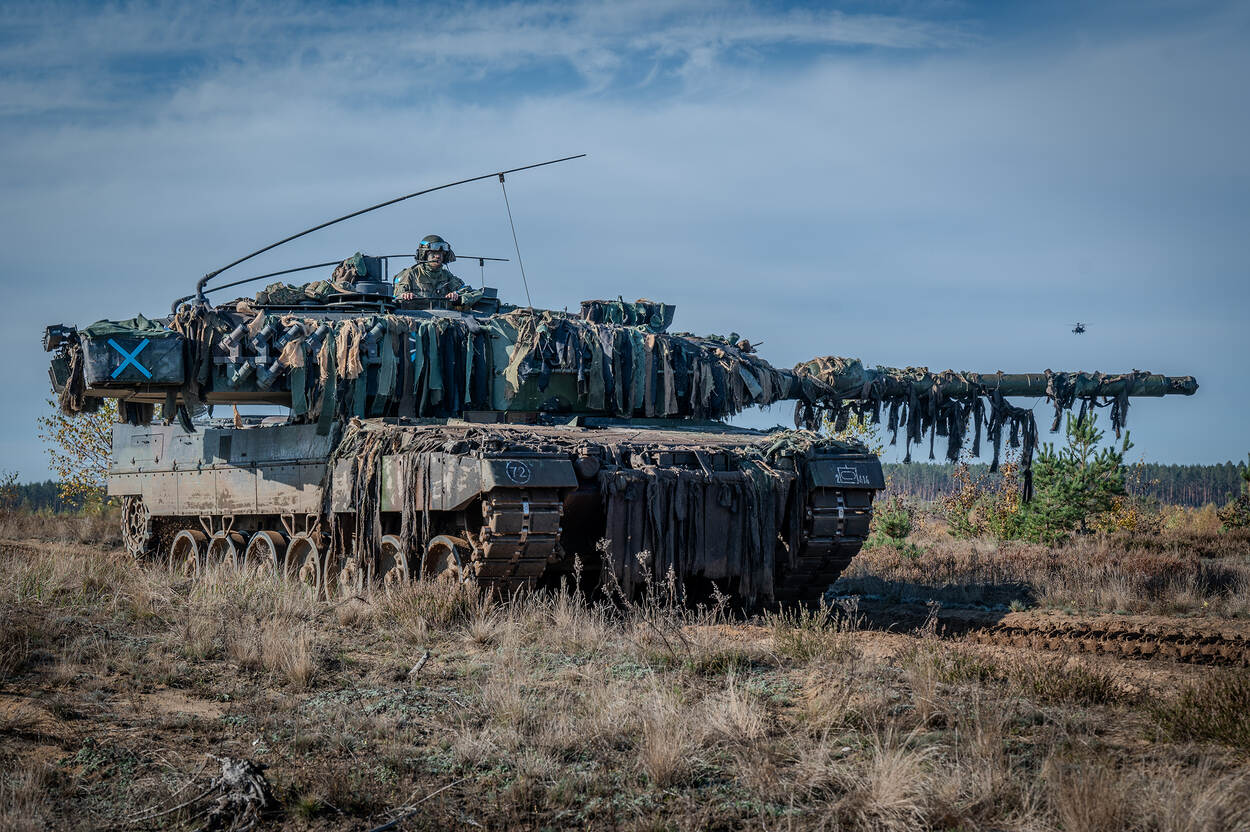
(79, 448)
(1236, 513)
(987, 505)
(893, 520)
(812, 635)
(891, 525)
(1074, 483)
(1215, 709)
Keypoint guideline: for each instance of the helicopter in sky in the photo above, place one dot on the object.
(1078, 328)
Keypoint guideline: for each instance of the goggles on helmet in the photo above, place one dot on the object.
(436, 246)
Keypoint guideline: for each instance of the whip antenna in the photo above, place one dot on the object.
(515, 244)
(199, 286)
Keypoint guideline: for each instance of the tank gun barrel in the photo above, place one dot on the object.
(853, 381)
(948, 403)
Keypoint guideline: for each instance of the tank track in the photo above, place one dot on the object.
(827, 545)
(520, 535)
(1168, 640)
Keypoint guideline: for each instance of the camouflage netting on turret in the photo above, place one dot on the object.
(948, 403)
(374, 365)
(631, 371)
(367, 365)
(654, 316)
(440, 366)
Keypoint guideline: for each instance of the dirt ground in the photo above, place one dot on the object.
(122, 690)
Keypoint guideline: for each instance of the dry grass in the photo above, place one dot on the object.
(666, 747)
(1087, 795)
(556, 712)
(735, 715)
(276, 646)
(25, 796)
(819, 635)
(1197, 798)
(1178, 571)
(891, 789)
(100, 528)
(1215, 709)
(436, 604)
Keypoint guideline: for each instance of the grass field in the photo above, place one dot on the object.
(118, 681)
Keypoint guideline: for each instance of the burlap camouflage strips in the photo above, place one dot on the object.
(948, 403)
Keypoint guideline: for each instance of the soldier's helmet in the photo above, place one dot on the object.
(433, 242)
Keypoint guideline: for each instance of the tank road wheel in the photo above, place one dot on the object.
(351, 578)
(392, 564)
(138, 534)
(306, 563)
(226, 548)
(445, 559)
(264, 555)
(187, 553)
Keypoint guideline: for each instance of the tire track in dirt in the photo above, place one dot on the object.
(1141, 637)
(1175, 644)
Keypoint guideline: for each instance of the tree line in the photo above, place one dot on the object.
(40, 496)
(1183, 485)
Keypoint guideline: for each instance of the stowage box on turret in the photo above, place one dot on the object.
(499, 444)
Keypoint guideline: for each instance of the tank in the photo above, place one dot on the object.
(505, 445)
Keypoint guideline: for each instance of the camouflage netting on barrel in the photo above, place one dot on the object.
(947, 403)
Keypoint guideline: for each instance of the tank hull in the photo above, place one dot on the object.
(763, 517)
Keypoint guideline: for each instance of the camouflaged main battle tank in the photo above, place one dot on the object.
(501, 444)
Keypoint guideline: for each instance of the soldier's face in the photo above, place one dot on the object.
(434, 258)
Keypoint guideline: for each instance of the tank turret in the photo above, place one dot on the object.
(423, 358)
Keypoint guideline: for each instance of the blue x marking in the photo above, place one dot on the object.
(130, 358)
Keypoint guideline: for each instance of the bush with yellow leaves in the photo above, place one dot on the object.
(984, 506)
(79, 447)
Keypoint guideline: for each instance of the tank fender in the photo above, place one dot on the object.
(457, 480)
(853, 472)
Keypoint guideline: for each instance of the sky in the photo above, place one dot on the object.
(944, 184)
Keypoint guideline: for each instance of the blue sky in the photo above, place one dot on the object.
(944, 184)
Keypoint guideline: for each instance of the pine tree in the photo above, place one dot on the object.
(1074, 483)
(1235, 514)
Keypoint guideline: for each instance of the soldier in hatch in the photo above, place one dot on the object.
(431, 279)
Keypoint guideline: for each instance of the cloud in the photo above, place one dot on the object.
(70, 60)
